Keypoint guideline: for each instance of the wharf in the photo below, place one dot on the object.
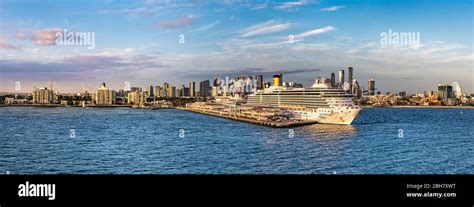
(275, 124)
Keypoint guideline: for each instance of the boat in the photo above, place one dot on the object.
(320, 102)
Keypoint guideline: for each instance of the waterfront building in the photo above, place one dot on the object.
(214, 92)
(157, 91)
(121, 93)
(341, 78)
(371, 87)
(104, 96)
(151, 91)
(260, 84)
(139, 89)
(351, 70)
(172, 92)
(403, 93)
(445, 91)
(43, 96)
(192, 89)
(355, 89)
(166, 90)
(204, 88)
(333, 80)
(136, 97)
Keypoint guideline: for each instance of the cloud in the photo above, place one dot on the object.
(443, 48)
(6, 45)
(209, 26)
(92, 59)
(175, 23)
(267, 27)
(260, 6)
(290, 6)
(22, 36)
(315, 32)
(143, 11)
(469, 57)
(46, 36)
(333, 8)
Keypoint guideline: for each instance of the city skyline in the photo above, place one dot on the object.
(141, 43)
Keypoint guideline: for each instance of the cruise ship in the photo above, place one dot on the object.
(321, 102)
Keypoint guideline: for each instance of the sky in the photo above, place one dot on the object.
(149, 42)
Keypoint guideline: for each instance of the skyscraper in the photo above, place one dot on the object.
(151, 91)
(172, 92)
(341, 78)
(333, 80)
(157, 91)
(104, 96)
(445, 91)
(371, 87)
(192, 89)
(166, 90)
(351, 70)
(260, 84)
(204, 88)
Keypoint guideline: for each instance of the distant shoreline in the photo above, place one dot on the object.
(430, 107)
(131, 106)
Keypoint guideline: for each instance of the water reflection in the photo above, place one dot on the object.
(328, 131)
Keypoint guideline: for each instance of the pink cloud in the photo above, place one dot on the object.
(175, 23)
(46, 36)
(6, 45)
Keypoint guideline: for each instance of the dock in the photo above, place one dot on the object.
(274, 124)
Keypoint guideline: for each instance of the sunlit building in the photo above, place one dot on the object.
(136, 97)
(43, 96)
(104, 96)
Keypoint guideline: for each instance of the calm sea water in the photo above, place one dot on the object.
(124, 141)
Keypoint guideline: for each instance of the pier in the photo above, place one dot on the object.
(247, 119)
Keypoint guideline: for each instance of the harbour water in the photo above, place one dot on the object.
(139, 141)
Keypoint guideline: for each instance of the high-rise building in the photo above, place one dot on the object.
(333, 80)
(43, 95)
(371, 87)
(204, 88)
(151, 91)
(192, 89)
(166, 89)
(136, 97)
(402, 93)
(214, 91)
(157, 91)
(139, 89)
(445, 91)
(350, 70)
(354, 86)
(341, 78)
(260, 84)
(104, 96)
(172, 92)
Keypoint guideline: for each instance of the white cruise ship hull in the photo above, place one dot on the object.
(345, 118)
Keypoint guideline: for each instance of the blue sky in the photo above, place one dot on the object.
(138, 42)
